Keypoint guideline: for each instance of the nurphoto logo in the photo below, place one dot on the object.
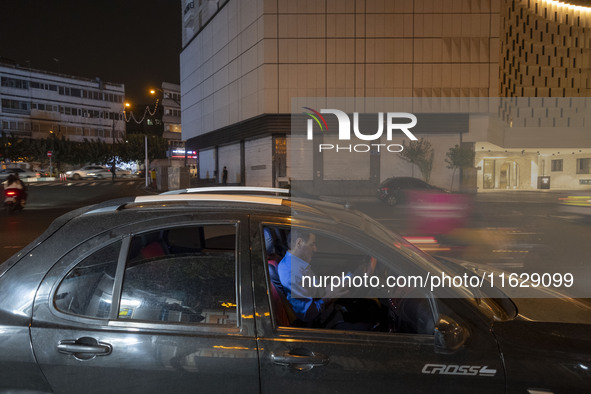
(344, 132)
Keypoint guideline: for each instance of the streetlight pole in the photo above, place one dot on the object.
(146, 158)
(52, 134)
(146, 161)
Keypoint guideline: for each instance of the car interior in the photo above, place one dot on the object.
(405, 311)
(182, 274)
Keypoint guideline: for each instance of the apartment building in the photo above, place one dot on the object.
(35, 103)
(171, 114)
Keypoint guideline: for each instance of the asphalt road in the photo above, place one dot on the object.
(49, 200)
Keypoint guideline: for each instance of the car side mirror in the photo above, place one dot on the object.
(449, 335)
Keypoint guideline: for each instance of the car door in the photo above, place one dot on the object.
(297, 359)
(159, 310)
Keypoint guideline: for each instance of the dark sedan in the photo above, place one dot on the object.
(177, 293)
(395, 190)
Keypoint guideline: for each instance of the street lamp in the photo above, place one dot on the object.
(171, 144)
(51, 132)
(146, 163)
(164, 95)
(114, 116)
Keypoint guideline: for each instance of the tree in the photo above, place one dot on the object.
(78, 153)
(133, 149)
(459, 157)
(419, 153)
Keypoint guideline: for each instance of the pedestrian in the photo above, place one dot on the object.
(225, 175)
(113, 172)
(153, 177)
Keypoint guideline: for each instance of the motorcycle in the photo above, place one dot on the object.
(14, 200)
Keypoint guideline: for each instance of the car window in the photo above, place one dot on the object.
(393, 183)
(417, 184)
(87, 290)
(182, 275)
(402, 183)
(303, 299)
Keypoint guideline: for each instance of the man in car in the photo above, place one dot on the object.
(313, 312)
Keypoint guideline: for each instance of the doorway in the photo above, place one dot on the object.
(509, 175)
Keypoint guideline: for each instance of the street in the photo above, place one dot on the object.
(49, 200)
(513, 231)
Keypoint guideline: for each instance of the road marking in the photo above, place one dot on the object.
(75, 184)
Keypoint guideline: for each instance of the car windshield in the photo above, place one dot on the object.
(488, 299)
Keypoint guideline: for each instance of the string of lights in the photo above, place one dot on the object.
(146, 111)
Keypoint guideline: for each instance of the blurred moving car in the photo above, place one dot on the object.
(22, 174)
(91, 171)
(175, 292)
(394, 190)
(44, 172)
(123, 173)
(578, 205)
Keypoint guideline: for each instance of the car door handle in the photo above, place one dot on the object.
(300, 359)
(84, 348)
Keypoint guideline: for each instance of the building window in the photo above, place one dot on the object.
(583, 166)
(557, 165)
(15, 83)
(15, 106)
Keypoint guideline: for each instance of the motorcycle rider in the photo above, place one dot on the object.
(14, 182)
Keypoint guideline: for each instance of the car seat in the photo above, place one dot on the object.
(284, 314)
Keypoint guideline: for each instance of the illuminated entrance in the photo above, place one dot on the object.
(509, 175)
(500, 173)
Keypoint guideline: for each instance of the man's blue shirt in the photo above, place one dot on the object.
(290, 270)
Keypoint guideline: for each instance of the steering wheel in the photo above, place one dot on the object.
(410, 311)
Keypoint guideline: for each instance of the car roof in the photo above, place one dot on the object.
(402, 179)
(93, 220)
(230, 198)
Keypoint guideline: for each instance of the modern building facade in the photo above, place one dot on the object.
(245, 62)
(36, 103)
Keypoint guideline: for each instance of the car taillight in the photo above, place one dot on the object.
(384, 190)
(10, 193)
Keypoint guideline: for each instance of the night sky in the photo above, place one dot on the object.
(133, 42)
